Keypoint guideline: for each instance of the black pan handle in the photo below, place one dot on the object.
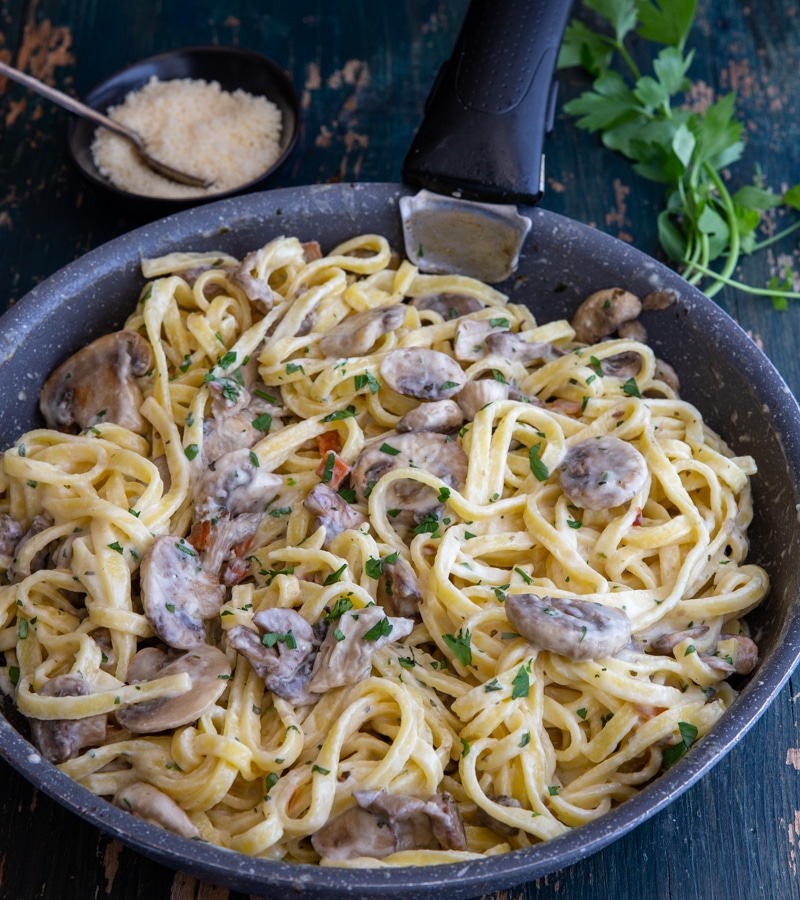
(492, 104)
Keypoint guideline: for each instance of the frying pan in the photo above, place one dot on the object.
(722, 372)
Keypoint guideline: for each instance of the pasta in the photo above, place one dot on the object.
(331, 554)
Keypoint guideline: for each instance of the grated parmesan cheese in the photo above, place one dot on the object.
(228, 137)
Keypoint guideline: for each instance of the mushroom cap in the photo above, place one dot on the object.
(177, 593)
(208, 669)
(575, 628)
(422, 373)
(355, 335)
(429, 450)
(98, 384)
(602, 472)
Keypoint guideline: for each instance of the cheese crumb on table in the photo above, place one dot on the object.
(229, 138)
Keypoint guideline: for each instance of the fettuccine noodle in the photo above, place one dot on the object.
(526, 742)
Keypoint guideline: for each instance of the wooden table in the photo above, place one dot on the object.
(364, 70)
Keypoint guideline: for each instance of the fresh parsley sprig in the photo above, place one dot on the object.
(644, 118)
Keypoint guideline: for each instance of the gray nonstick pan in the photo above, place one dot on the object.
(560, 261)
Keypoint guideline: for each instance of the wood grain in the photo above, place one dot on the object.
(364, 70)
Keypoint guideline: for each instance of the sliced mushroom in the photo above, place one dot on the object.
(664, 372)
(332, 512)
(477, 394)
(98, 384)
(435, 453)
(345, 656)
(353, 834)
(146, 663)
(11, 532)
(602, 472)
(209, 671)
(418, 824)
(154, 806)
(178, 594)
(399, 590)
(63, 739)
(666, 643)
(443, 416)
(489, 821)
(470, 338)
(516, 349)
(603, 312)
(661, 299)
(356, 334)
(234, 484)
(633, 331)
(281, 652)
(21, 566)
(448, 306)
(422, 373)
(622, 365)
(445, 816)
(734, 653)
(577, 629)
(246, 277)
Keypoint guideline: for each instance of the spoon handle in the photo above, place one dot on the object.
(69, 103)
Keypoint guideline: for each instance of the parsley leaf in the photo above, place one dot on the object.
(460, 646)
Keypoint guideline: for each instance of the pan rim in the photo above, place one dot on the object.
(241, 872)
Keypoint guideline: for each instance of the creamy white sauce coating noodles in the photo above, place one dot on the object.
(268, 609)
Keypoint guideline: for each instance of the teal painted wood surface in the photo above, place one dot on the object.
(363, 70)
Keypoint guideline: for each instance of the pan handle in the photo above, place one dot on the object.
(492, 104)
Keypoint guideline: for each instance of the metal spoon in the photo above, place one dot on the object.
(86, 112)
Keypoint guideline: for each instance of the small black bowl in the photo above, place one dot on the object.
(232, 68)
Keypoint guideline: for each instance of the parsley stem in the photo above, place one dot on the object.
(733, 231)
(732, 282)
(773, 239)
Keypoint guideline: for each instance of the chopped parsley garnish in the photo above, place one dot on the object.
(346, 413)
(335, 576)
(263, 422)
(460, 646)
(380, 629)
(116, 546)
(498, 376)
(270, 638)
(631, 388)
(367, 379)
(523, 575)
(342, 605)
(373, 568)
(429, 525)
(191, 451)
(521, 684)
(347, 494)
(291, 368)
(387, 448)
(327, 472)
(677, 751)
(500, 323)
(539, 469)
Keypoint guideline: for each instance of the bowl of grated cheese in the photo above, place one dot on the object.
(225, 114)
